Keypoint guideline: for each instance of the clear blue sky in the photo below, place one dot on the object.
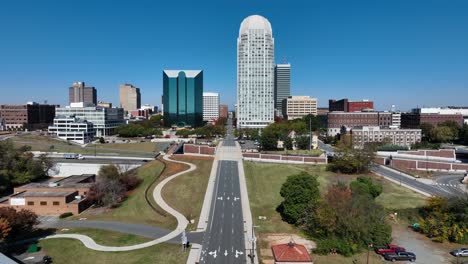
(402, 52)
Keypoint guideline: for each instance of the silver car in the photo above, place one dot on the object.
(461, 252)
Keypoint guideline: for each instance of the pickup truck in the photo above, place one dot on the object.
(390, 249)
(400, 256)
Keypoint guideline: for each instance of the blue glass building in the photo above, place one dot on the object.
(183, 98)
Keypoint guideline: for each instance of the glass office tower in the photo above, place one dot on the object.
(183, 98)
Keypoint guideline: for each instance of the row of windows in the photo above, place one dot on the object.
(43, 203)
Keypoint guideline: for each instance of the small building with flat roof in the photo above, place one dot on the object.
(52, 197)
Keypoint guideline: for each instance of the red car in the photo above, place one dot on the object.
(390, 249)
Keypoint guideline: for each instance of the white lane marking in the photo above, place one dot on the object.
(225, 252)
(236, 198)
(227, 198)
(220, 198)
(213, 253)
(239, 253)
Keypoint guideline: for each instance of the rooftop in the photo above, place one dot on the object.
(43, 194)
(291, 252)
(255, 22)
(188, 73)
(74, 181)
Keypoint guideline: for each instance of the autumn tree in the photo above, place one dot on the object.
(16, 223)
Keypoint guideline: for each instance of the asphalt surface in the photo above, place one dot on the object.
(224, 238)
(413, 182)
(135, 229)
(451, 183)
(223, 242)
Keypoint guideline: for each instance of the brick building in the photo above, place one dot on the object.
(345, 105)
(394, 136)
(348, 120)
(28, 116)
(414, 120)
(53, 197)
(223, 111)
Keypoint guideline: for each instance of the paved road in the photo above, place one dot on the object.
(135, 229)
(326, 147)
(224, 238)
(224, 241)
(412, 182)
(451, 183)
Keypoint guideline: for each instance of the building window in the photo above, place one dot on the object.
(30, 203)
(43, 203)
(55, 203)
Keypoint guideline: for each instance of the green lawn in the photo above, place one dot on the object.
(187, 192)
(313, 152)
(106, 237)
(64, 251)
(135, 209)
(264, 181)
(43, 143)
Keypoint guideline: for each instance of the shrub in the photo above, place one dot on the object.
(65, 215)
(334, 244)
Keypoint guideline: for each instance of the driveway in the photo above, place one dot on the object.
(426, 251)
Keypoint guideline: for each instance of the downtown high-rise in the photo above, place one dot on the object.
(183, 98)
(80, 93)
(282, 85)
(255, 73)
(130, 97)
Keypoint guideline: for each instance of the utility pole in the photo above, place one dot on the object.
(310, 132)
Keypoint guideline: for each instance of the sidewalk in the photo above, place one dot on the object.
(181, 220)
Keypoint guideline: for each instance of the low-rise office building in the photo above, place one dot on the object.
(72, 129)
(344, 105)
(393, 136)
(415, 119)
(104, 120)
(223, 111)
(339, 122)
(53, 197)
(449, 110)
(28, 116)
(295, 107)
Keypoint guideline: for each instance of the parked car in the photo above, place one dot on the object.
(461, 252)
(390, 249)
(397, 256)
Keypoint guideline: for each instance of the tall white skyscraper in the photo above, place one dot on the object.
(255, 73)
(210, 106)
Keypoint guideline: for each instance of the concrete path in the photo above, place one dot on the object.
(147, 231)
(181, 220)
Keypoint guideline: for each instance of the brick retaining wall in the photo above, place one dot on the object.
(285, 158)
(199, 149)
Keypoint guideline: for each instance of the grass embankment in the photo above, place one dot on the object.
(264, 181)
(186, 193)
(73, 251)
(44, 143)
(302, 152)
(134, 209)
(106, 237)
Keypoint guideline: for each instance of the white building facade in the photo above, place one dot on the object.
(394, 136)
(295, 107)
(72, 129)
(104, 120)
(210, 106)
(255, 73)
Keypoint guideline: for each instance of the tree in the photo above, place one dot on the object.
(288, 143)
(268, 140)
(302, 142)
(5, 229)
(299, 192)
(20, 222)
(110, 172)
(443, 134)
(349, 160)
(315, 122)
(426, 131)
(463, 134)
(102, 141)
(365, 186)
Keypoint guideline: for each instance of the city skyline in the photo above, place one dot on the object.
(351, 50)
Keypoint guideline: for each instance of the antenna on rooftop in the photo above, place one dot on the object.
(284, 60)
